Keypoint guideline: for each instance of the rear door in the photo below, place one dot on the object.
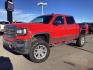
(72, 29)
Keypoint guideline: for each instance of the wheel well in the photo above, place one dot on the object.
(45, 36)
(83, 32)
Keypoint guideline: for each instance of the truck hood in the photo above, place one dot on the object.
(31, 26)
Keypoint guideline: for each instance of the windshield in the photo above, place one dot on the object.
(42, 19)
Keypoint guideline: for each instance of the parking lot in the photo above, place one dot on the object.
(62, 57)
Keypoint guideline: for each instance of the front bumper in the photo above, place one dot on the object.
(19, 46)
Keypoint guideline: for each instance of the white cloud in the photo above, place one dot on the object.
(18, 15)
(2, 15)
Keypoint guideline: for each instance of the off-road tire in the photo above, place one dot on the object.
(80, 41)
(37, 42)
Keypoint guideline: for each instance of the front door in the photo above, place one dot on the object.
(58, 29)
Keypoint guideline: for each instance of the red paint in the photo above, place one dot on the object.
(87, 27)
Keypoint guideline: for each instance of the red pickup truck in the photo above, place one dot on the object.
(34, 38)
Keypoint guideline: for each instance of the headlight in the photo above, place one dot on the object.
(21, 31)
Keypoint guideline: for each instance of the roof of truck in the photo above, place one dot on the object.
(59, 15)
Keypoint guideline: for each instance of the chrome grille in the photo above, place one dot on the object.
(10, 31)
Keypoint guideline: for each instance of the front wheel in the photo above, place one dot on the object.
(39, 51)
(81, 41)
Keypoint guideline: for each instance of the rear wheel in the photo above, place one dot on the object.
(39, 50)
(81, 41)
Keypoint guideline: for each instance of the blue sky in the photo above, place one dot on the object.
(26, 10)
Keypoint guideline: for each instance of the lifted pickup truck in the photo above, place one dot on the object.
(34, 38)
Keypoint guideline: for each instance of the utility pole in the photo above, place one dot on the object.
(9, 6)
(42, 6)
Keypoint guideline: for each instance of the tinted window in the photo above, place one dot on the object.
(70, 20)
(4, 23)
(42, 19)
(59, 20)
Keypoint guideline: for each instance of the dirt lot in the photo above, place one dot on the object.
(63, 57)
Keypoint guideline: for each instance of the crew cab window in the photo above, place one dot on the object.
(59, 20)
(70, 20)
(42, 19)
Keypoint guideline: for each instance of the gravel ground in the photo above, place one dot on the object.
(62, 57)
